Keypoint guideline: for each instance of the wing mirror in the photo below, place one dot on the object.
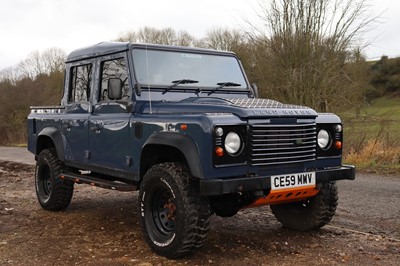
(114, 88)
(255, 90)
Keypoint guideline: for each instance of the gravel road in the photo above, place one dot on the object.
(102, 227)
(371, 203)
(16, 154)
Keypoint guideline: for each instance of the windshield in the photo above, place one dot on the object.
(184, 69)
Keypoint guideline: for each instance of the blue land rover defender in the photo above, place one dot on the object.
(185, 128)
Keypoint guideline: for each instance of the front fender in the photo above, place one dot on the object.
(184, 144)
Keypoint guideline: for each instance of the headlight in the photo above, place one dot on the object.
(232, 143)
(323, 139)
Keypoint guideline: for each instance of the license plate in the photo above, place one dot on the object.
(293, 181)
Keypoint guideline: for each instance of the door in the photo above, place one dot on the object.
(75, 124)
(109, 127)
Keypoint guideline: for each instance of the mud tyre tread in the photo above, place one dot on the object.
(192, 212)
(57, 195)
(310, 214)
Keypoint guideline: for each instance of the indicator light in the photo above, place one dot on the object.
(219, 151)
(338, 145)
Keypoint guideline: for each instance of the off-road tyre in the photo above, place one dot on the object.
(309, 214)
(175, 218)
(53, 193)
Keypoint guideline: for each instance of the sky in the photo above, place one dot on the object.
(34, 25)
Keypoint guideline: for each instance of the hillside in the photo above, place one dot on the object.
(384, 77)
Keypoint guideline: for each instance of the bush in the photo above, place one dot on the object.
(377, 156)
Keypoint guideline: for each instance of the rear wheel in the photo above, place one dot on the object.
(53, 193)
(175, 218)
(309, 214)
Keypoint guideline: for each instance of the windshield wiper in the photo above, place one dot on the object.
(224, 84)
(180, 81)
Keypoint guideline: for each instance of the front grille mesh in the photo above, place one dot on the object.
(282, 144)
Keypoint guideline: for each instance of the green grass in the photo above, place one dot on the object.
(380, 120)
(372, 137)
(384, 106)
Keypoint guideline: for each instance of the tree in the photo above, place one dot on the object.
(53, 60)
(386, 76)
(223, 39)
(9, 75)
(301, 52)
(166, 36)
(37, 80)
(50, 60)
(357, 72)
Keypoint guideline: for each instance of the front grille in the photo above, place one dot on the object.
(282, 144)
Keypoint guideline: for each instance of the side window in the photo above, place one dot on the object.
(81, 77)
(114, 69)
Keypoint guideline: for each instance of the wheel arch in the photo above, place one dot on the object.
(50, 137)
(163, 146)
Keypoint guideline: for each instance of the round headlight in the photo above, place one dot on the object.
(323, 139)
(232, 143)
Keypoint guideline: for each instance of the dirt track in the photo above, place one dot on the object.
(102, 227)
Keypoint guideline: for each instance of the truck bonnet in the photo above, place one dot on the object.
(242, 107)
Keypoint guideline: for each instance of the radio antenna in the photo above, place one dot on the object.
(148, 80)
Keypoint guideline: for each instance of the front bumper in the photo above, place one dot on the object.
(217, 187)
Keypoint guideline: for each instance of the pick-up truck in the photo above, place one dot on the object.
(185, 128)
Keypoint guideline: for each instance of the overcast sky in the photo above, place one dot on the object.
(28, 25)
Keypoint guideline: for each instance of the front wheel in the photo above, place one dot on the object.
(309, 214)
(175, 218)
(53, 193)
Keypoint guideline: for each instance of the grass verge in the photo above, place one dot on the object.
(372, 137)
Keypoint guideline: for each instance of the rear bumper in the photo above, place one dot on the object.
(217, 187)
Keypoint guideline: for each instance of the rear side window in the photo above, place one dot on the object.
(114, 69)
(81, 77)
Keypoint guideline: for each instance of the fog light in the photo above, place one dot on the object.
(338, 128)
(219, 132)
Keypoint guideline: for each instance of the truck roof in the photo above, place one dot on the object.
(105, 48)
